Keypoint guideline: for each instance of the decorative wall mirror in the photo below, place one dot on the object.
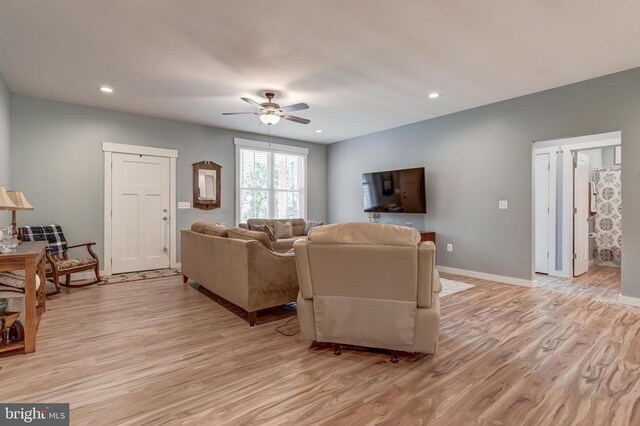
(206, 185)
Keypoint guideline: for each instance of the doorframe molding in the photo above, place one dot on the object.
(117, 148)
(552, 152)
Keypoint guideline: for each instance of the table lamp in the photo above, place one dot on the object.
(21, 203)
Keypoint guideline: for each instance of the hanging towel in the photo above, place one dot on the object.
(592, 199)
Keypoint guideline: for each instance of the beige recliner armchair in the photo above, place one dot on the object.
(369, 284)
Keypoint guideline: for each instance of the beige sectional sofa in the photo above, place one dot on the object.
(237, 265)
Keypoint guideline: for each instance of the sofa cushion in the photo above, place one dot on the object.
(284, 244)
(216, 230)
(297, 224)
(283, 229)
(365, 234)
(247, 234)
(311, 224)
(199, 226)
(266, 230)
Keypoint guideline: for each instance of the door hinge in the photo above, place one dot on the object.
(575, 210)
(575, 256)
(547, 254)
(111, 261)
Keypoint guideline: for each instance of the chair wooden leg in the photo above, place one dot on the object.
(185, 279)
(252, 318)
(56, 282)
(68, 279)
(97, 272)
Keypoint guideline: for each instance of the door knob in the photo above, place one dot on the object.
(165, 218)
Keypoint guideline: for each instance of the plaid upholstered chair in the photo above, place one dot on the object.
(58, 262)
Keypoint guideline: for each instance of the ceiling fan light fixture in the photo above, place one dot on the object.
(269, 118)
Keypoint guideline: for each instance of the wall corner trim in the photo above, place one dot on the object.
(628, 300)
(490, 277)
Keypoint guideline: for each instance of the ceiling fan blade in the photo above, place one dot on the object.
(296, 119)
(237, 113)
(295, 107)
(252, 102)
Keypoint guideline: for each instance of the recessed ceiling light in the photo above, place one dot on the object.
(106, 89)
(318, 131)
(434, 95)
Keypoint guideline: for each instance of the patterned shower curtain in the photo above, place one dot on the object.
(608, 220)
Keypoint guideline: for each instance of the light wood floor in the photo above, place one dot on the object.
(158, 352)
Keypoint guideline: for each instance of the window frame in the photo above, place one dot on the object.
(271, 148)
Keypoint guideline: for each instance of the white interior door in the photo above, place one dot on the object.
(140, 213)
(542, 211)
(581, 215)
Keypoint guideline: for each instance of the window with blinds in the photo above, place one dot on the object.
(271, 184)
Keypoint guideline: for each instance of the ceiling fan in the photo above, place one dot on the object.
(270, 112)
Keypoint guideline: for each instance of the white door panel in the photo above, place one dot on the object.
(140, 219)
(542, 242)
(581, 215)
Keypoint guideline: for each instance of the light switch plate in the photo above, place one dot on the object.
(503, 204)
(449, 247)
(184, 205)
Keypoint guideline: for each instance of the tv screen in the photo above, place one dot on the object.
(395, 191)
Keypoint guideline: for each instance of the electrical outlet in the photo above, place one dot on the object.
(449, 247)
(184, 205)
(503, 204)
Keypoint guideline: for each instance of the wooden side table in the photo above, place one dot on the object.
(29, 256)
(428, 236)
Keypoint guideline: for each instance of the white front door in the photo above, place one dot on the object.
(581, 215)
(542, 213)
(140, 212)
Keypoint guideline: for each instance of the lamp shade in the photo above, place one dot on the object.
(269, 118)
(6, 203)
(20, 200)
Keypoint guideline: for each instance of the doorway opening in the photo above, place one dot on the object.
(578, 209)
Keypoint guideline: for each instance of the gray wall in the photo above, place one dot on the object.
(57, 150)
(5, 140)
(476, 157)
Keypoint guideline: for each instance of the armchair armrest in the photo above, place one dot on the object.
(88, 246)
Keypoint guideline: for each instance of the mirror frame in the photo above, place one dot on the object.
(206, 204)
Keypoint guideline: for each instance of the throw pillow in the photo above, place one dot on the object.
(311, 224)
(266, 230)
(283, 229)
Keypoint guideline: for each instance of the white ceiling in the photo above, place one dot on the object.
(362, 66)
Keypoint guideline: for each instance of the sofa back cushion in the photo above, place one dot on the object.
(297, 225)
(216, 229)
(247, 234)
(376, 234)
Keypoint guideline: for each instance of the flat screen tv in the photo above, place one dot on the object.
(395, 191)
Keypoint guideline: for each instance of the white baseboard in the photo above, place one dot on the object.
(489, 277)
(628, 300)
